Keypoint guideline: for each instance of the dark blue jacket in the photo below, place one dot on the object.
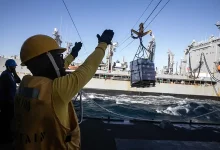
(7, 86)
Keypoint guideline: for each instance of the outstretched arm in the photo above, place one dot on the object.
(68, 86)
(71, 57)
(68, 61)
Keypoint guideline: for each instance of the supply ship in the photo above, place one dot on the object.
(198, 74)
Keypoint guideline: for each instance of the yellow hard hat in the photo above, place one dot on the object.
(37, 45)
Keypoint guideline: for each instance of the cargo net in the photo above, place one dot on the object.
(142, 67)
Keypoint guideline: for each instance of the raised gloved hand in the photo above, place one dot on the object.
(76, 49)
(106, 36)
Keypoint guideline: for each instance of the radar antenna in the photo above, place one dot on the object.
(57, 36)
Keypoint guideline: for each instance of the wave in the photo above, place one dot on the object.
(152, 107)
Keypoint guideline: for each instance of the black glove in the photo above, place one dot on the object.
(76, 49)
(106, 36)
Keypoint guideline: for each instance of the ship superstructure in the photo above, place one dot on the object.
(197, 76)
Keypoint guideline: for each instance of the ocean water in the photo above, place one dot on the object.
(150, 108)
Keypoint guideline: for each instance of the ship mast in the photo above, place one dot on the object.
(176, 68)
(111, 50)
(218, 26)
(170, 61)
(57, 37)
(68, 48)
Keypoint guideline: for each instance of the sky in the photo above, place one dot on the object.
(174, 28)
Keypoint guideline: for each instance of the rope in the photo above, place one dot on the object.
(200, 66)
(111, 112)
(148, 23)
(153, 11)
(81, 106)
(143, 13)
(127, 45)
(206, 114)
(144, 22)
(202, 54)
(136, 118)
(137, 22)
(157, 14)
(124, 41)
(214, 89)
(74, 24)
(209, 71)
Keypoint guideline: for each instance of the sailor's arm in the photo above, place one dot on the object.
(7, 84)
(72, 55)
(68, 61)
(68, 86)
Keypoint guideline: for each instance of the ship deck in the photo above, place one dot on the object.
(121, 135)
(112, 134)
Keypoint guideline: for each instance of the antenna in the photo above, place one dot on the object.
(61, 19)
(218, 26)
(176, 67)
(57, 36)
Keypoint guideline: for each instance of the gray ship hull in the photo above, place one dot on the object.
(123, 87)
(200, 84)
(114, 87)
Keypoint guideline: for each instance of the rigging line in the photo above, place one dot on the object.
(206, 114)
(138, 21)
(157, 14)
(127, 45)
(136, 118)
(214, 89)
(151, 20)
(209, 71)
(109, 111)
(211, 111)
(153, 11)
(143, 13)
(73, 23)
(125, 41)
(80, 118)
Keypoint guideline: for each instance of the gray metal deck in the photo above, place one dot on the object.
(99, 134)
(128, 144)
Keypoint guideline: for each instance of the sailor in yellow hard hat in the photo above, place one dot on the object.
(45, 116)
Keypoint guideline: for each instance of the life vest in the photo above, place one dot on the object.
(37, 125)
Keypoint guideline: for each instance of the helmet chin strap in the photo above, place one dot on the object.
(54, 64)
